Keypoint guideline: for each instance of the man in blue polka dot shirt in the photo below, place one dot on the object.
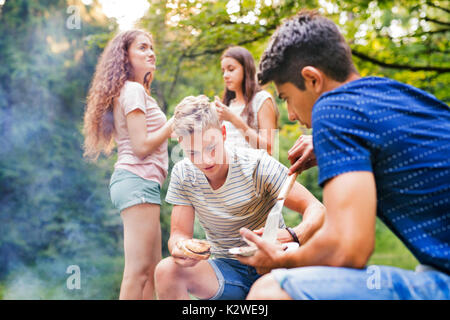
(383, 149)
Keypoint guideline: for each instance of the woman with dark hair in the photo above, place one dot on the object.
(120, 108)
(250, 114)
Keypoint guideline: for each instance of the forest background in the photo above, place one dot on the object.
(55, 210)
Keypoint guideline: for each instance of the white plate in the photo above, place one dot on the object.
(243, 251)
(291, 246)
(249, 251)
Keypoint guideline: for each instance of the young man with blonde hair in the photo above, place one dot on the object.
(226, 190)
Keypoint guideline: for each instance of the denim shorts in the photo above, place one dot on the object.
(128, 189)
(235, 279)
(371, 283)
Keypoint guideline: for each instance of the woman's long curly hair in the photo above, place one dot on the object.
(249, 84)
(113, 69)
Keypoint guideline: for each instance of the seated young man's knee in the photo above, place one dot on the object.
(267, 288)
(166, 268)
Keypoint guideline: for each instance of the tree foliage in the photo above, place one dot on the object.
(54, 206)
(406, 40)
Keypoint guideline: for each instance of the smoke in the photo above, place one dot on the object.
(49, 280)
(55, 209)
(27, 286)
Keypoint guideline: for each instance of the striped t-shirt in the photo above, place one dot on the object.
(252, 185)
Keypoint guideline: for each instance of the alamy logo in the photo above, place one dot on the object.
(74, 280)
(74, 20)
(374, 280)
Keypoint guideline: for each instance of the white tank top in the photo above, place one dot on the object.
(235, 139)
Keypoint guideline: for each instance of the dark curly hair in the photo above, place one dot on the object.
(307, 39)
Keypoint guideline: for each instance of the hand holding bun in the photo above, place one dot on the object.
(195, 248)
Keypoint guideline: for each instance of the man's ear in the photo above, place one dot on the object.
(314, 79)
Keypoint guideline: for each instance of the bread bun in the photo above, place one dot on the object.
(195, 248)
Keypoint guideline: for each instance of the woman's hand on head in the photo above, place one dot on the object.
(171, 124)
(223, 111)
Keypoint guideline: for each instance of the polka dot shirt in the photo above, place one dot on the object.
(402, 135)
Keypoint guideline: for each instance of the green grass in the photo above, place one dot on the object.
(389, 250)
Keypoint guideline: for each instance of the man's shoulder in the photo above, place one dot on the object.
(354, 100)
(359, 91)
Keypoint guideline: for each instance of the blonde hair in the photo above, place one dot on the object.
(195, 114)
(113, 69)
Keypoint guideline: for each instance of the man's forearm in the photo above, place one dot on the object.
(324, 248)
(319, 250)
(347, 236)
(313, 219)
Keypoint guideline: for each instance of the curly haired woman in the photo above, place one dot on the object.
(120, 108)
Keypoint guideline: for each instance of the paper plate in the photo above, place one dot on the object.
(291, 246)
(249, 251)
(243, 251)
